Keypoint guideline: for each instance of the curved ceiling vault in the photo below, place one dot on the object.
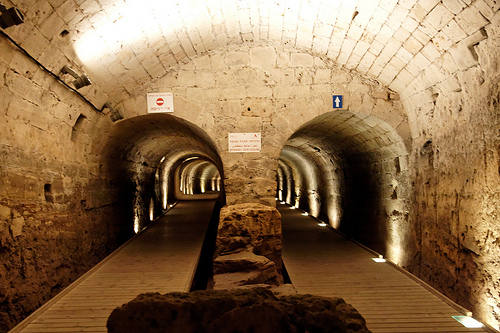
(149, 140)
(124, 44)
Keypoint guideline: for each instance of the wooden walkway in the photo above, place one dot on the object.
(321, 262)
(162, 259)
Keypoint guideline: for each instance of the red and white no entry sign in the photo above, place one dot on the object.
(160, 102)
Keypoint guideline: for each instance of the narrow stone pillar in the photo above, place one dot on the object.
(248, 248)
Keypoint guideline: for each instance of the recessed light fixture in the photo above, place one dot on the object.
(468, 322)
(379, 259)
(305, 214)
(322, 224)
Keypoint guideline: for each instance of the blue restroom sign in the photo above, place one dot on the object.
(337, 101)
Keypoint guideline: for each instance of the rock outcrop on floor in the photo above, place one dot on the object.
(248, 247)
(245, 311)
(244, 269)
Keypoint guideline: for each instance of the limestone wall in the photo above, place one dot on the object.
(456, 155)
(263, 88)
(56, 187)
(274, 90)
(54, 206)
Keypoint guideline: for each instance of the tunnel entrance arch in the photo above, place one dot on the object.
(350, 170)
(188, 177)
(141, 157)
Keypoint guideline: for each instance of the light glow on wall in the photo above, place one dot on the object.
(305, 179)
(395, 241)
(334, 215)
(137, 223)
(280, 184)
(151, 210)
(121, 25)
(287, 183)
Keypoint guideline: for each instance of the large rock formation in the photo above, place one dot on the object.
(255, 310)
(248, 248)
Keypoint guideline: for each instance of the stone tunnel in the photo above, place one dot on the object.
(406, 162)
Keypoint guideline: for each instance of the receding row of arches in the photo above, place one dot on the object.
(345, 168)
(350, 171)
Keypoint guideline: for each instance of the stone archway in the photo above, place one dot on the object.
(351, 170)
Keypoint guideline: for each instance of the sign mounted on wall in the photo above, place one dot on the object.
(244, 142)
(160, 102)
(337, 101)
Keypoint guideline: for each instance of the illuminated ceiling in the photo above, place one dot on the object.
(124, 44)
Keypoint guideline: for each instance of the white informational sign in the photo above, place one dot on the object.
(160, 102)
(244, 142)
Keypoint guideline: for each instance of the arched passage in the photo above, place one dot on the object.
(144, 155)
(198, 176)
(350, 170)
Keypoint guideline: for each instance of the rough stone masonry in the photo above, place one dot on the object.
(419, 130)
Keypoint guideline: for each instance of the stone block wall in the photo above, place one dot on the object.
(265, 88)
(275, 90)
(441, 56)
(456, 156)
(56, 218)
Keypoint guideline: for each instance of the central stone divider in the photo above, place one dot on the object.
(249, 292)
(248, 247)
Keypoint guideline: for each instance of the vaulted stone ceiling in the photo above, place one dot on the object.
(124, 44)
(439, 56)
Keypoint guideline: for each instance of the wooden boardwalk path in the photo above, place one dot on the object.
(321, 262)
(162, 259)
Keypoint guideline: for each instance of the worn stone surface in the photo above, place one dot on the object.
(51, 250)
(248, 246)
(456, 161)
(242, 269)
(56, 212)
(254, 310)
(254, 227)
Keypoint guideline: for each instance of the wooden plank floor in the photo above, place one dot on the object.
(162, 259)
(321, 262)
